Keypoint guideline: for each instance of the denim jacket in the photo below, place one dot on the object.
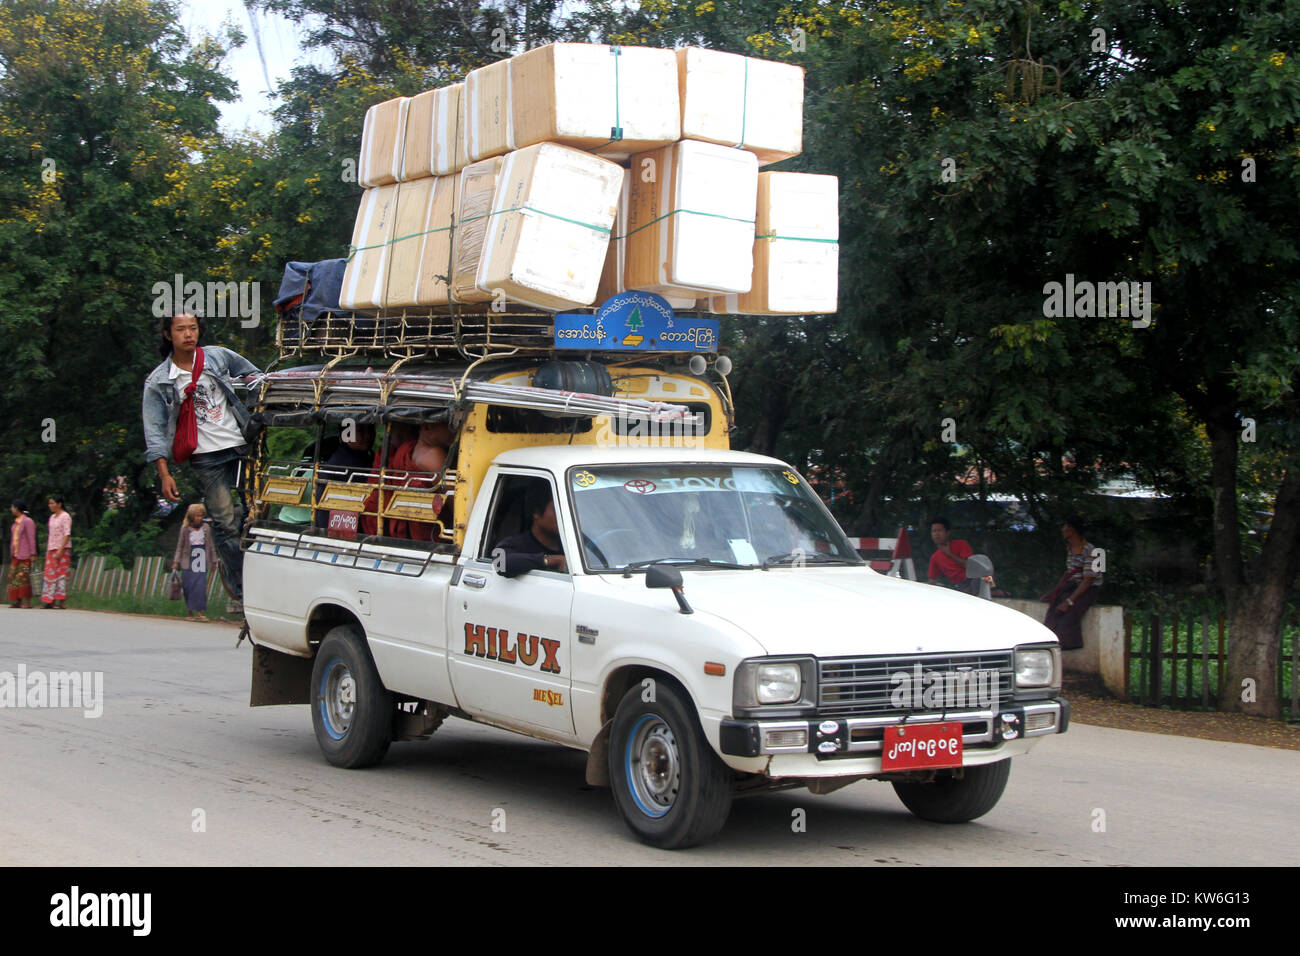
(162, 405)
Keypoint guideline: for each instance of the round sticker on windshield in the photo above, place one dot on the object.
(791, 477)
(584, 479)
(639, 486)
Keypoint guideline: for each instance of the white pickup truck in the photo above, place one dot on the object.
(708, 632)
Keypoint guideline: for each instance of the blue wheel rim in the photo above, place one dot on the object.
(652, 764)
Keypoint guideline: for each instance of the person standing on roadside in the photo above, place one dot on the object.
(948, 563)
(58, 555)
(195, 549)
(22, 550)
(1076, 591)
(191, 413)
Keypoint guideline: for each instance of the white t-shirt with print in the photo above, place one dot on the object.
(217, 426)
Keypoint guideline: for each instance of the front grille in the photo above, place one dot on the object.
(867, 686)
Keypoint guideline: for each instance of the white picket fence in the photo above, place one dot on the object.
(146, 578)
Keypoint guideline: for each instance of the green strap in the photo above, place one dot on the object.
(615, 131)
(772, 235)
(541, 212)
(692, 212)
(353, 250)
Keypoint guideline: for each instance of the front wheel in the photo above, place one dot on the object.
(949, 800)
(669, 785)
(351, 711)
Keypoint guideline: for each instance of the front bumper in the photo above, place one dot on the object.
(838, 738)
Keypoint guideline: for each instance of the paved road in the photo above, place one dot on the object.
(176, 736)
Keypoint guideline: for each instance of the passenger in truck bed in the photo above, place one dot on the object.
(413, 460)
(342, 464)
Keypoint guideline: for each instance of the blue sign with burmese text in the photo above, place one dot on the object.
(635, 322)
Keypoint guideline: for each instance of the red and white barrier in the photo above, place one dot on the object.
(898, 565)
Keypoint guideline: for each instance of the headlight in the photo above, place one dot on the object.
(760, 684)
(1037, 667)
(777, 683)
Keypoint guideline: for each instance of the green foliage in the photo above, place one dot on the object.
(287, 444)
(119, 532)
(100, 103)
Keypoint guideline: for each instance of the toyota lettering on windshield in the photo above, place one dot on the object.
(707, 516)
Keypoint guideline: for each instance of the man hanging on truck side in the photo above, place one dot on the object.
(191, 412)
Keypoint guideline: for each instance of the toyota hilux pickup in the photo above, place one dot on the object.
(702, 628)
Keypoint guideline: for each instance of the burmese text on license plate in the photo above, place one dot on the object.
(921, 746)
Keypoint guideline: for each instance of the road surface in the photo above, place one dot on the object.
(178, 770)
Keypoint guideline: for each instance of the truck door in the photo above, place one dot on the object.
(509, 640)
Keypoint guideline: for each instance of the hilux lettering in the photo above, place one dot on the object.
(494, 644)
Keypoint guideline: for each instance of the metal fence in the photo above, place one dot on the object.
(1178, 660)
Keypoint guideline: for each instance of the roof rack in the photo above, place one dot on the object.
(408, 333)
(433, 333)
(320, 388)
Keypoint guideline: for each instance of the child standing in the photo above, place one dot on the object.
(194, 550)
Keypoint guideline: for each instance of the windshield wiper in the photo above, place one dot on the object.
(815, 557)
(627, 569)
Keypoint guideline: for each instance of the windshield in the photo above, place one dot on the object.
(724, 515)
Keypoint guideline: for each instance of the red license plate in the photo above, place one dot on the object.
(921, 747)
(342, 524)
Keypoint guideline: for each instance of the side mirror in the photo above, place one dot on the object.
(666, 576)
(662, 576)
(979, 568)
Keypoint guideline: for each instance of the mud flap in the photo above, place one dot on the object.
(598, 758)
(279, 678)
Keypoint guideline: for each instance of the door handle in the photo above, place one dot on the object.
(472, 580)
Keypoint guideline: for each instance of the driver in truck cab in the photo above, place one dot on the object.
(537, 548)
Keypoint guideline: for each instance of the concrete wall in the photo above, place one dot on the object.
(1103, 641)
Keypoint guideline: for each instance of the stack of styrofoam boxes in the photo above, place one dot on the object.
(526, 157)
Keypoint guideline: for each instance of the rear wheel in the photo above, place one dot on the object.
(351, 711)
(950, 800)
(669, 785)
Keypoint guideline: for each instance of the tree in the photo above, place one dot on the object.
(1106, 141)
(99, 100)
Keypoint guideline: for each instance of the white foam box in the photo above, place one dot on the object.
(741, 101)
(580, 94)
(435, 135)
(690, 224)
(382, 139)
(549, 230)
(611, 277)
(366, 273)
(420, 259)
(489, 124)
(796, 248)
(473, 208)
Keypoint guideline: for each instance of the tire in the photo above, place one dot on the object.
(351, 711)
(949, 800)
(671, 789)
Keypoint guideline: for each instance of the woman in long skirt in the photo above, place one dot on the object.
(195, 547)
(22, 551)
(58, 555)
